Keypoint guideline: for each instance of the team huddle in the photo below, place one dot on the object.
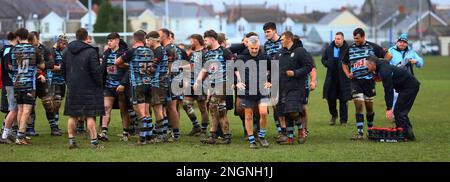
(151, 79)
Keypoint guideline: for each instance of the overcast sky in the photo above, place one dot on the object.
(298, 5)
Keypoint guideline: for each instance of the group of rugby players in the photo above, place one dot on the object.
(142, 81)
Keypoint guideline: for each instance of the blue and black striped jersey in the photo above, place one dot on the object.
(216, 62)
(161, 61)
(356, 55)
(114, 74)
(140, 60)
(25, 61)
(196, 61)
(272, 48)
(56, 76)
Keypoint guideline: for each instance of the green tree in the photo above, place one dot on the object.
(109, 18)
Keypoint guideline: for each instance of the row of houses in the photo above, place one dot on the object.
(383, 20)
(186, 18)
(50, 17)
(53, 17)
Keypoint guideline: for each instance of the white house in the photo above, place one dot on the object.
(143, 20)
(241, 26)
(288, 24)
(188, 18)
(50, 17)
(335, 21)
(325, 33)
(411, 23)
(52, 24)
(84, 21)
(32, 22)
(251, 18)
(299, 24)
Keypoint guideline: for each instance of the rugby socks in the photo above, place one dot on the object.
(262, 134)
(251, 139)
(51, 119)
(149, 127)
(290, 127)
(30, 127)
(176, 133)
(290, 131)
(279, 129)
(283, 131)
(133, 119)
(165, 125)
(142, 130)
(20, 135)
(360, 123)
(94, 141)
(227, 136)
(204, 126)
(159, 128)
(126, 132)
(370, 117)
(195, 123)
(105, 130)
(57, 118)
(72, 141)
(299, 125)
(193, 118)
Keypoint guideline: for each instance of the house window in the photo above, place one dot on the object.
(288, 28)
(20, 24)
(241, 28)
(46, 27)
(144, 26)
(200, 26)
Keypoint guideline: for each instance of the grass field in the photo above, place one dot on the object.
(429, 117)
